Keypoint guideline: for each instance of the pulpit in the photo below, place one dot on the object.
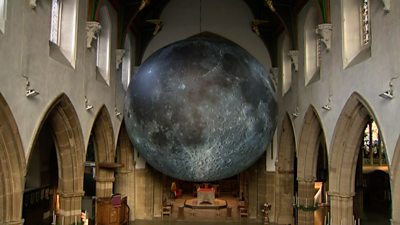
(112, 211)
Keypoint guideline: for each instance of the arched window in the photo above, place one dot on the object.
(3, 14)
(104, 45)
(286, 65)
(63, 30)
(127, 62)
(356, 31)
(311, 47)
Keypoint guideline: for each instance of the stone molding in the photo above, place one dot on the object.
(341, 195)
(72, 194)
(105, 179)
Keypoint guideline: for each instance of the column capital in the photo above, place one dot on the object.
(71, 194)
(341, 195)
(306, 179)
(105, 179)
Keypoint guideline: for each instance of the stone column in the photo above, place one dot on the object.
(395, 222)
(341, 208)
(284, 197)
(70, 207)
(125, 184)
(253, 190)
(306, 200)
(157, 194)
(104, 186)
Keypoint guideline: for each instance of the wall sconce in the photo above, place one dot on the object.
(296, 113)
(117, 112)
(88, 107)
(328, 106)
(29, 92)
(389, 93)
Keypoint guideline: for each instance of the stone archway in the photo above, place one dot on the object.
(285, 173)
(309, 143)
(68, 141)
(103, 139)
(125, 176)
(343, 158)
(12, 167)
(395, 174)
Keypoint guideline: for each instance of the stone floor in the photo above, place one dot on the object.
(219, 217)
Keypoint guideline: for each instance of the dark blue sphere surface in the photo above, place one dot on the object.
(201, 109)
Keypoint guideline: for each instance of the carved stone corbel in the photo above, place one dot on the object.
(119, 55)
(32, 4)
(324, 32)
(294, 57)
(386, 5)
(92, 29)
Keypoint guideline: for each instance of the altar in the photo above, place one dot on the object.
(205, 195)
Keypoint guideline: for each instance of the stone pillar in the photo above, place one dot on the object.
(341, 208)
(395, 222)
(305, 216)
(125, 184)
(270, 196)
(158, 194)
(284, 197)
(143, 194)
(104, 186)
(253, 190)
(70, 207)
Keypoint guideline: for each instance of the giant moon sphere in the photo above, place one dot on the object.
(201, 109)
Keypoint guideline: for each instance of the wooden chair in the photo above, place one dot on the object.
(166, 210)
(243, 212)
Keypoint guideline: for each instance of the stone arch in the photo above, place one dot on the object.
(68, 140)
(395, 175)
(308, 145)
(103, 139)
(309, 142)
(343, 157)
(125, 176)
(285, 172)
(12, 167)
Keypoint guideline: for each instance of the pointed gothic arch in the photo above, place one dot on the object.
(12, 167)
(395, 174)
(125, 176)
(308, 153)
(286, 167)
(344, 155)
(308, 145)
(103, 139)
(68, 140)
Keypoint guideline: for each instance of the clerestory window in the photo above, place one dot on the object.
(63, 30)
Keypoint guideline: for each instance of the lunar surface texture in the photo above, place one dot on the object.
(201, 109)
